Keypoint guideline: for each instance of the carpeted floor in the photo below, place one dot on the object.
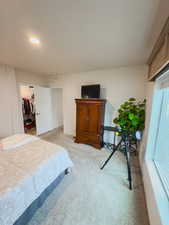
(90, 196)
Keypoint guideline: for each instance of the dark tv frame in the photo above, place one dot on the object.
(95, 94)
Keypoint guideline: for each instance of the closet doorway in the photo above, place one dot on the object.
(41, 108)
(27, 93)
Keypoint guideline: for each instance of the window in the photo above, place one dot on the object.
(156, 164)
(161, 145)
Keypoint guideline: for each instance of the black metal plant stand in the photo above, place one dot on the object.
(124, 141)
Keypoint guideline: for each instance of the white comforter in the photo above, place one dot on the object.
(25, 172)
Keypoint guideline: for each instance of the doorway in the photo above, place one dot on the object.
(27, 93)
(41, 109)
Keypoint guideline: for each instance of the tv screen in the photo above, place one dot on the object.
(90, 91)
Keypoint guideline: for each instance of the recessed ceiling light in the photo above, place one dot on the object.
(34, 41)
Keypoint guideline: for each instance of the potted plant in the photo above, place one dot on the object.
(131, 116)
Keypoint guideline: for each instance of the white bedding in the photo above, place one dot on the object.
(25, 172)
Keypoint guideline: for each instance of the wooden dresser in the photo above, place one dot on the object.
(89, 121)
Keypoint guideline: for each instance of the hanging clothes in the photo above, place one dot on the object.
(26, 106)
(32, 105)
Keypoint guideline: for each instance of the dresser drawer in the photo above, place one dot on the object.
(95, 138)
(82, 138)
(88, 138)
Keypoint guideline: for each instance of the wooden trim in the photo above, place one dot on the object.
(91, 100)
(162, 70)
(160, 59)
(159, 41)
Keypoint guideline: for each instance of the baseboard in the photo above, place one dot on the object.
(55, 130)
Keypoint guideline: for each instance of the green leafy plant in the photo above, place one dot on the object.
(131, 117)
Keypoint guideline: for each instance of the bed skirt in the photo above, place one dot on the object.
(37, 203)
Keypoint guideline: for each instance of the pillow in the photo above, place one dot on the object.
(17, 140)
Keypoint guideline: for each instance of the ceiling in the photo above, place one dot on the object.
(75, 35)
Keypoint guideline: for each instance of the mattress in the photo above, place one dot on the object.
(25, 172)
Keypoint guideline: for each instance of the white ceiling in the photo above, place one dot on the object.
(75, 35)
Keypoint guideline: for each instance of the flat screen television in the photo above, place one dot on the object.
(90, 91)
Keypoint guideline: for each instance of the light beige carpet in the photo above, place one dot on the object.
(90, 196)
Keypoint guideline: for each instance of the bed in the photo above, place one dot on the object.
(29, 168)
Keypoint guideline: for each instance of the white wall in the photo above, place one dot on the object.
(11, 119)
(57, 107)
(27, 78)
(149, 192)
(30, 78)
(149, 98)
(117, 85)
(9, 109)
